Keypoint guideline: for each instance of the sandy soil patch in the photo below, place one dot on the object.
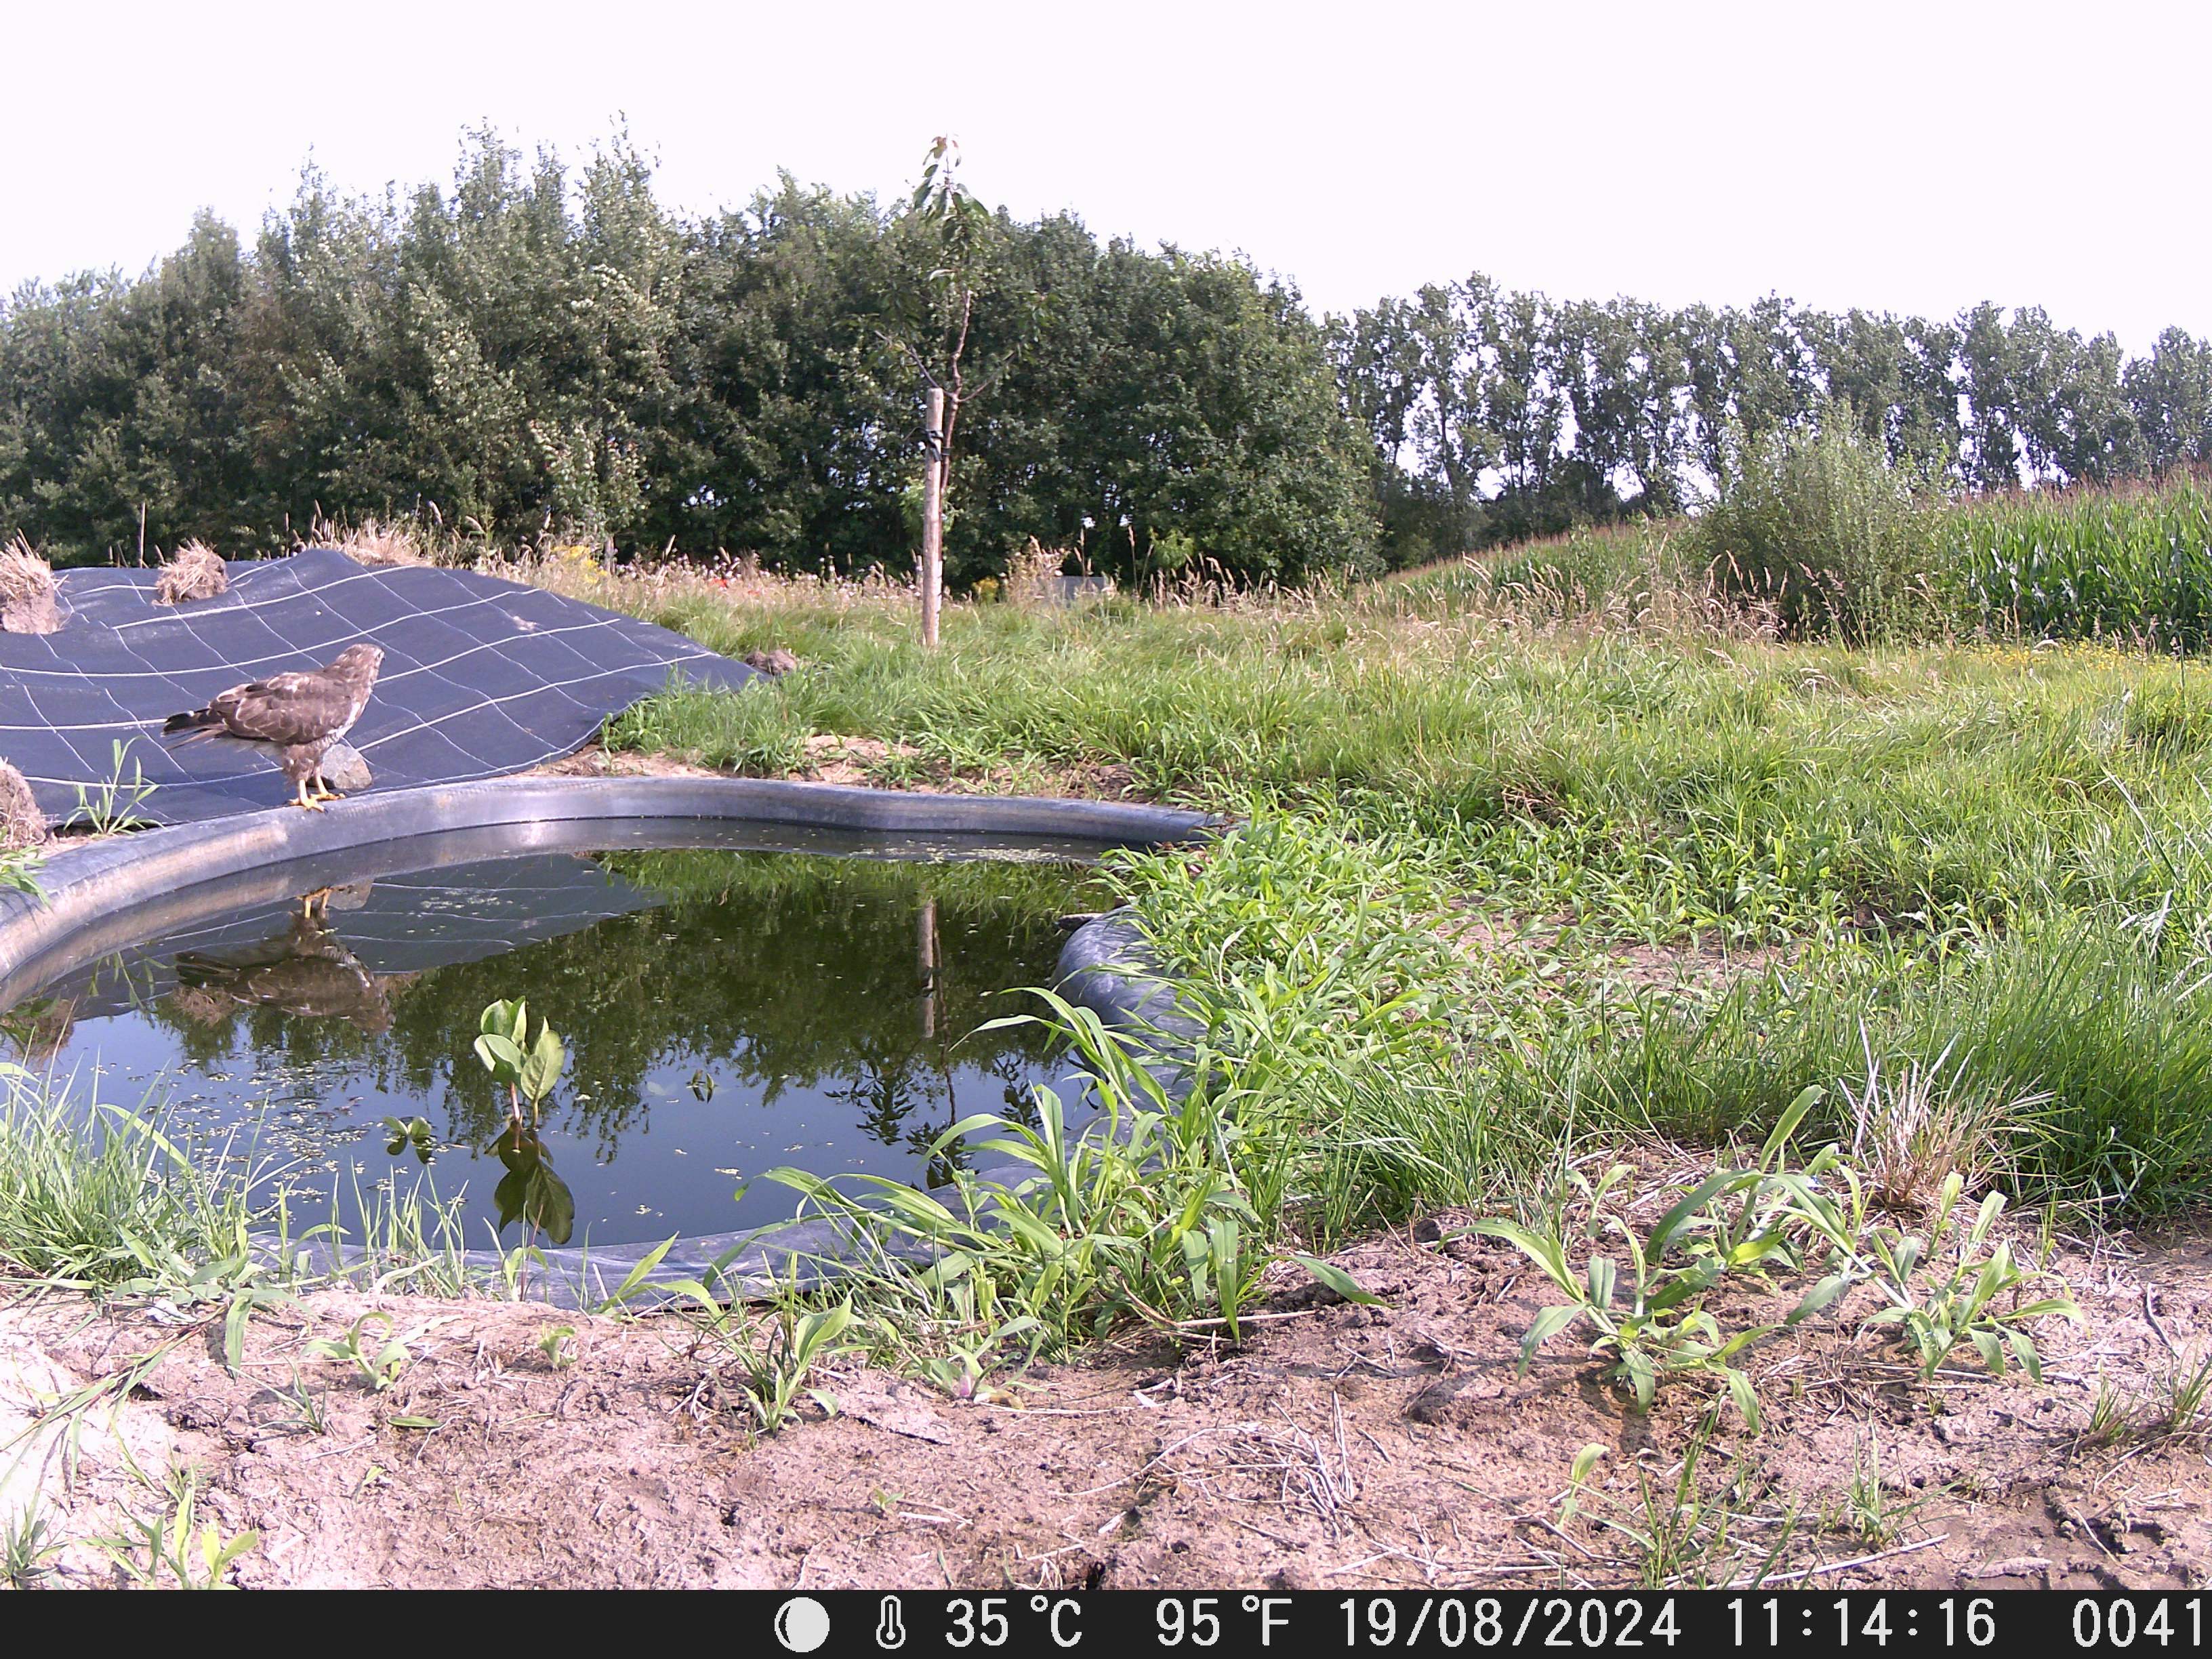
(1341, 1445)
(870, 763)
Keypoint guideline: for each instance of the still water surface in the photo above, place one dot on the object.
(724, 1012)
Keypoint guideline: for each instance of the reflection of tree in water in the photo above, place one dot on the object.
(886, 1090)
(778, 971)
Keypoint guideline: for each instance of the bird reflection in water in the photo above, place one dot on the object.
(305, 970)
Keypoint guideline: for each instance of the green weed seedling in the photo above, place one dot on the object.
(1869, 1514)
(378, 1371)
(1648, 1319)
(2108, 1416)
(776, 1372)
(1938, 1306)
(2187, 1389)
(1680, 1532)
(113, 806)
(558, 1346)
(168, 1544)
(242, 1286)
(310, 1413)
(27, 1543)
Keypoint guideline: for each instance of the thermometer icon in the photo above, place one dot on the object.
(891, 1631)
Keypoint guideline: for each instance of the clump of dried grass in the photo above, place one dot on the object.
(21, 824)
(26, 591)
(1911, 1132)
(194, 571)
(371, 542)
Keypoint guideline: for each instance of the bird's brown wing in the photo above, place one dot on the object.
(285, 708)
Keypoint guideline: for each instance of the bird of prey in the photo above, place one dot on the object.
(305, 971)
(298, 716)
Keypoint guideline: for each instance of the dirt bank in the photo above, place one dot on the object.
(1340, 1445)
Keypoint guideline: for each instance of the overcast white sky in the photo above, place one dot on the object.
(1913, 157)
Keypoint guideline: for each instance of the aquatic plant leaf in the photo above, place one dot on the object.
(501, 1057)
(540, 1067)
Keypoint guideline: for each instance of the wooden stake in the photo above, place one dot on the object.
(932, 517)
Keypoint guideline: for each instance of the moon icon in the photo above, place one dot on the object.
(802, 1623)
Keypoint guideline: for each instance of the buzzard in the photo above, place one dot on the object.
(304, 971)
(298, 716)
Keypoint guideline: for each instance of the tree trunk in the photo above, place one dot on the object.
(933, 517)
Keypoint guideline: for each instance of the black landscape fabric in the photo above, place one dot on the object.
(481, 677)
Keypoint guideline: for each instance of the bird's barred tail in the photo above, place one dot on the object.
(200, 720)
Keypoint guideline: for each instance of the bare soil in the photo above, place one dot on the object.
(1338, 1445)
(870, 763)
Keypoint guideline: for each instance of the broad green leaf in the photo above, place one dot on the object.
(1746, 1400)
(637, 1276)
(1792, 1115)
(1549, 1323)
(1602, 1276)
(540, 1068)
(1642, 1377)
(1585, 1461)
(500, 1056)
(1335, 1279)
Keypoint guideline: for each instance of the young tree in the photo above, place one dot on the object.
(933, 321)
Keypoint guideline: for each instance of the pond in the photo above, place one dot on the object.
(725, 1012)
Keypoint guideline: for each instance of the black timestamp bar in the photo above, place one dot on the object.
(1202, 1625)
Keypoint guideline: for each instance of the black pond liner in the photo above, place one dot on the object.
(482, 677)
(99, 899)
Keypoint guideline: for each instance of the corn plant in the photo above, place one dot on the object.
(1649, 1320)
(378, 1368)
(169, 1544)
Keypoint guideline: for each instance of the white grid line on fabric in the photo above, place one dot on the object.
(599, 661)
(286, 579)
(76, 672)
(488, 702)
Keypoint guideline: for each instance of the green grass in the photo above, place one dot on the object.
(96, 1197)
(1996, 852)
(1528, 857)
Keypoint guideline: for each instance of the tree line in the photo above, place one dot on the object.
(1494, 415)
(540, 351)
